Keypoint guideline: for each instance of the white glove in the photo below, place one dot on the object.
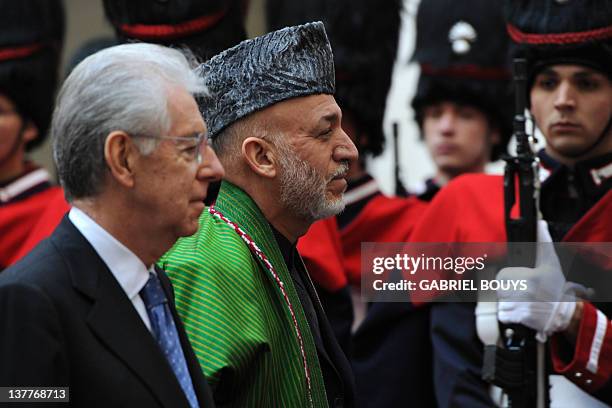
(548, 304)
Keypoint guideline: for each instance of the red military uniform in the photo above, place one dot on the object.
(470, 209)
(333, 254)
(23, 204)
(30, 53)
(393, 337)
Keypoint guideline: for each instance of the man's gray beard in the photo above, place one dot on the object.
(303, 189)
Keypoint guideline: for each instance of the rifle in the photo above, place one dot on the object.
(519, 366)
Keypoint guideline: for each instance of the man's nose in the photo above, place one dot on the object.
(446, 123)
(345, 150)
(211, 168)
(565, 97)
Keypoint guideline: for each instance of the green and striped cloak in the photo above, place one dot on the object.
(235, 314)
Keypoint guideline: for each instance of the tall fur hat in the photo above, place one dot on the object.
(561, 31)
(462, 49)
(206, 27)
(30, 49)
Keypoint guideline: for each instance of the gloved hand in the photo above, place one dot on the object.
(548, 304)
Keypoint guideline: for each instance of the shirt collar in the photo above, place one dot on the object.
(131, 273)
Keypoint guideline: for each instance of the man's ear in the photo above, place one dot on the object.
(120, 154)
(260, 157)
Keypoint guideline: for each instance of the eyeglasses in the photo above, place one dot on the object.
(193, 147)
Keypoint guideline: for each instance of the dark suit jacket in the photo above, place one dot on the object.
(66, 321)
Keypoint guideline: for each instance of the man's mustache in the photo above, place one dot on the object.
(341, 171)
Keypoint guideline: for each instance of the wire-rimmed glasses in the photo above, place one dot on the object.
(194, 143)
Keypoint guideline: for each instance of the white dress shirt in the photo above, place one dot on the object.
(129, 271)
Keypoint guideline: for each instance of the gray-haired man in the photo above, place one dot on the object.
(86, 309)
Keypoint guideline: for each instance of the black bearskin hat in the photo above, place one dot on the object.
(30, 49)
(364, 36)
(206, 27)
(561, 31)
(86, 49)
(462, 49)
(287, 13)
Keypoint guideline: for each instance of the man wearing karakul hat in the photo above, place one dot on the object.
(247, 301)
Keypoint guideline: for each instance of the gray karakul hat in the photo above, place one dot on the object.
(288, 63)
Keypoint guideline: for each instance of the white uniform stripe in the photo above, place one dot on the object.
(361, 192)
(23, 184)
(598, 338)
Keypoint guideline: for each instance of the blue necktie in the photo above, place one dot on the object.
(164, 331)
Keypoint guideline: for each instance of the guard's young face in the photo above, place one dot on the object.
(14, 133)
(458, 137)
(171, 185)
(572, 105)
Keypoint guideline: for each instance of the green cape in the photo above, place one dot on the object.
(235, 314)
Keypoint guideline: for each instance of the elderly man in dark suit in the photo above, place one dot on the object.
(87, 309)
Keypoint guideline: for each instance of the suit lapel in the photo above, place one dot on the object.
(114, 320)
